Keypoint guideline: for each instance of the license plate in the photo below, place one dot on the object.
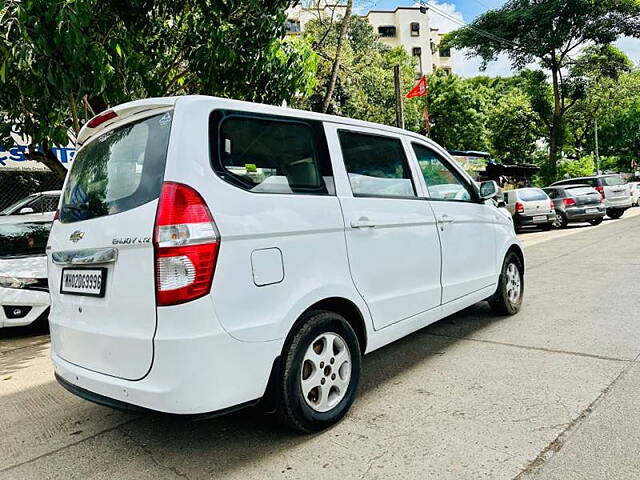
(542, 218)
(592, 210)
(90, 282)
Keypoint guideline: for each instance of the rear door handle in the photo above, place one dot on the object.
(444, 220)
(362, 222)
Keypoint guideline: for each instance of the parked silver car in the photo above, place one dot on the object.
(613, 188)
(530, 207)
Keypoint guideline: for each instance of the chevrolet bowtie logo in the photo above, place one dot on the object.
(76, 236)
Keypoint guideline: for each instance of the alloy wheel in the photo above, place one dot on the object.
(325, 372)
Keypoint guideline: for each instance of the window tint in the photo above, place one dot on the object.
(443, 182)
(376, 165)
(551, 192)
(531, 194)
(118, 171)
(267, 155)
(506, 197)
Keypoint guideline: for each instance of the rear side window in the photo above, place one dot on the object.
(270, 154)
(551, 192)
(531, 194)
(376, 165)
(612, 181)
(118, 171)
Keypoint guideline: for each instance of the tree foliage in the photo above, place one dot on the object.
(549, 32)
(61, 62)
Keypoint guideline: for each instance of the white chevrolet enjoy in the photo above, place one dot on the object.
(209, 254)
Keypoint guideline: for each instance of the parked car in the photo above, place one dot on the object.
(613, 189)
(24, 293)
(576, 203)
(635, 193)
(530, 207)
(212, 254)
(43, 202)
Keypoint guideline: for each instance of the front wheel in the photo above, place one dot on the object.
(508, 297)
(615, 214)
(321, 372)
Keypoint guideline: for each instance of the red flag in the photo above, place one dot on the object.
(420, 89)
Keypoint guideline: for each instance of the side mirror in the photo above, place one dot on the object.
(489, 190)
(26, 210)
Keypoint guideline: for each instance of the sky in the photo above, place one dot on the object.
(466, 11)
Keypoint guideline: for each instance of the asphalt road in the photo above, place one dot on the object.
(551, 393)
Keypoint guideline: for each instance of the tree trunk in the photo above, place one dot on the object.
(344, 28)
(555, 134)
(47, 158)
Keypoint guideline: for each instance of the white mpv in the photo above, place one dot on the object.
(210, 254)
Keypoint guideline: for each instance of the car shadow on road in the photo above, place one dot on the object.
(224, 445)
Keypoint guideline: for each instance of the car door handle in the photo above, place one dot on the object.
(444, 220)
(362, 222)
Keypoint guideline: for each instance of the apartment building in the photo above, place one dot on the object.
(408, 27)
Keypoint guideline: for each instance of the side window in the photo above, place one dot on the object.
(506, 197)
(443, 182)
(552, 193)
(50, 203)
(376, 165)
(270, 155)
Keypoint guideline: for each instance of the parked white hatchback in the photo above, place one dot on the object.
(213, 253)
(24, 293)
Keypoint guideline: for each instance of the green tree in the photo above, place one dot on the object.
(458, 112)
(550, 32)
(513, 128)
(62, 62)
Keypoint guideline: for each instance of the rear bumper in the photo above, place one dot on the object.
(580, 213)
(523, 220)
(618, 203)
(198, 368)
(37, 303)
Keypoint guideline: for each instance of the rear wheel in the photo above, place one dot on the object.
(560, 221)
(615, 214)
(508, 297)
(321, 372)
(596, 221)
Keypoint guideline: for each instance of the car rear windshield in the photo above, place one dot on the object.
(613, 181)
(577, 191)
(532, 194)
(118, 171)
(20, 239)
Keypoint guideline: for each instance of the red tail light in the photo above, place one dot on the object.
(186, 245)
(519, 207)
(568, 202)
(551, 205)
(601, 192)
(101, 118)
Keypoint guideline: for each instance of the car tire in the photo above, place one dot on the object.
(615, 214)
(561, 221)
(547, 226)
(596, 221)
(508, 297)
(320, 374)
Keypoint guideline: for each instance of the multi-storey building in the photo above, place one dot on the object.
(408, 27)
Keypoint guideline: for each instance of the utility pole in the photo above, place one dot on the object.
(399, 110)
(597, 148)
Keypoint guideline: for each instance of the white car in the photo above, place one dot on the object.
(211, 254)
(24, 293)
(42, 202)
(635, 193)
(530, 207)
